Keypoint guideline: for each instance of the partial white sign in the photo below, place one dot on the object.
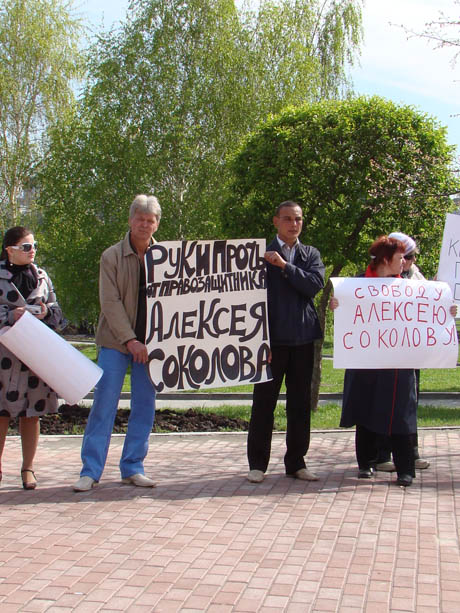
(449, 258)
(65, 369)
(207, 323)
(393, 323)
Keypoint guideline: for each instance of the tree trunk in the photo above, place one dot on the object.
(322, 311)
(317, 365)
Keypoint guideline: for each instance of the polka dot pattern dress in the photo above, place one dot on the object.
(22, 393)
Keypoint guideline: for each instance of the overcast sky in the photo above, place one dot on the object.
(405, 70)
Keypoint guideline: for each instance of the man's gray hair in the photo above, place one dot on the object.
(145, 204)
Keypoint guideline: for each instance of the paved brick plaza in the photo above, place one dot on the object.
(206, 540)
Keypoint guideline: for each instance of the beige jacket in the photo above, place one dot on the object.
(118, 294)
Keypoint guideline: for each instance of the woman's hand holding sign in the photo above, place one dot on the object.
(333, 303)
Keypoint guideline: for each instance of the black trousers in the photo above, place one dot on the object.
(384, 448)
(384, 443)
(295, 363)
(367, 446)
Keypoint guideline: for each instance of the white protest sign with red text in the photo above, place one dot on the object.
(393, 323)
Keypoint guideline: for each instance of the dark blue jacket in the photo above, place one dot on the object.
(291, 313)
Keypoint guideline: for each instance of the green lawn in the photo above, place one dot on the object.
(328, 415)
(431, 380)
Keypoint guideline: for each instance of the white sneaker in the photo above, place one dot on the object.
(386, 467)
(140, 480)
(256, 476)
(421, 464)
(84, 484)
(304, 475)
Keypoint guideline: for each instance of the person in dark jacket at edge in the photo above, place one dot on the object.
(295, 274)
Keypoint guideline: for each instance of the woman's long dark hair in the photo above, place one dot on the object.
(12, 237)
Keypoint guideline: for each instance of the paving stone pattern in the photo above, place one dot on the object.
(206, 540)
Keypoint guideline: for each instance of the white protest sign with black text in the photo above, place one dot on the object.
(393, 323)
(207, 322)
(449, 258)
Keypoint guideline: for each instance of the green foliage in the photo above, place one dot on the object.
(170, 95)
(38, 59)
(359, 168)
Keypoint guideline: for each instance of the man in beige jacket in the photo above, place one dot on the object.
(120, 338)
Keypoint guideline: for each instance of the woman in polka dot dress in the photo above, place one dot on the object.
(23, 285)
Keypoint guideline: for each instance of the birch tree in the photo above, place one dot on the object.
(38, 59)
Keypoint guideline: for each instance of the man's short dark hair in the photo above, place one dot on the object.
(284, 205)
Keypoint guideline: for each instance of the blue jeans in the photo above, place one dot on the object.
(102, 416)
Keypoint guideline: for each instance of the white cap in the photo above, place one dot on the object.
(408, 242)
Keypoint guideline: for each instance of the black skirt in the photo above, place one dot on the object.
(382, 400)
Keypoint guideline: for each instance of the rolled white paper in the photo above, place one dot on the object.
(65, 369)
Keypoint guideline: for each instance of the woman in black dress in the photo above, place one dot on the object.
(382, 401)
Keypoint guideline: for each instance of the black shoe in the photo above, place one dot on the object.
(365, 473)
(404, 480)
(28, 485)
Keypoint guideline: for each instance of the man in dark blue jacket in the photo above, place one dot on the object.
(295, 274)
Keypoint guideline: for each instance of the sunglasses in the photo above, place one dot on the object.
(26, 247)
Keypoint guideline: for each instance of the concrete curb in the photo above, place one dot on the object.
(214, 396)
